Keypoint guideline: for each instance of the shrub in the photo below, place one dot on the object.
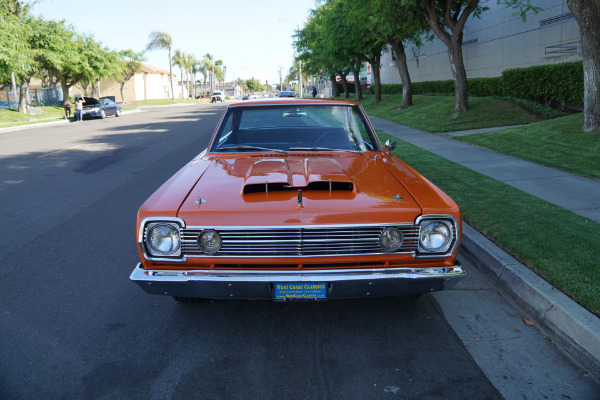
(556, 82)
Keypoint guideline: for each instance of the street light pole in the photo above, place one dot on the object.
(300, 76)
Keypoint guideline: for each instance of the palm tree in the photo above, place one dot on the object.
(179, 60)
(208, 60)
(194, 69)
(163, 41)
(219, 72)
(190, 60)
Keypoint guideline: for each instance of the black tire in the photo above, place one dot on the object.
(102, 114)
(118, 113)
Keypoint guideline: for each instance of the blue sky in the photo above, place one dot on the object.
(252, 38)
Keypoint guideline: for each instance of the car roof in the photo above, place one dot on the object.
(294, 101)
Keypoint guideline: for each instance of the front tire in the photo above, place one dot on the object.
(102, 114)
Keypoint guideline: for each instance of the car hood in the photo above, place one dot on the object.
(297, 190)
(90, 102)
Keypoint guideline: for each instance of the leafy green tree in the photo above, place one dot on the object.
(254, 85)
(14, 46)
(163, 41)
(395, 24)
(447, 19)
(16, 8)
(130, 64)
(100, 63)
(317, 44)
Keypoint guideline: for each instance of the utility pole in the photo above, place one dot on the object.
(300, 76)
(280, 79)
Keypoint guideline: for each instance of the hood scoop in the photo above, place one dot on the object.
(267, 187)
(296, 173)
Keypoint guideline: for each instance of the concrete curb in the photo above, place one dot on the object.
(568, 324)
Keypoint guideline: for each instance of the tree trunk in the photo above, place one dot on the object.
(23, 95)
(459, 73)
(400, 57)
(376, 67)
(344, 84)
(455, 23)
(123, 92)
(171, 74)
(65, 89)
(356, 74)
(335, 93)
(587, 15)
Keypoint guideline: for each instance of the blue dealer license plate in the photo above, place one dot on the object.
(300, 291)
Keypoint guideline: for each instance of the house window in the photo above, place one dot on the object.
(166, 89)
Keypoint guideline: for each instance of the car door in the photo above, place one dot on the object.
(113, 107)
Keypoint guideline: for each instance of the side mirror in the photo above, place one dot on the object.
(390, 145)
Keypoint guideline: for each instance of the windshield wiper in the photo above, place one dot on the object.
(244, 147)
(322, 149)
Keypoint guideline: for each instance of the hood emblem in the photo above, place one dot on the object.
(397, 198)
(200, 201)
(300, 198)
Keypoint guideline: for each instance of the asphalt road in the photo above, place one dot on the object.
(72, 325)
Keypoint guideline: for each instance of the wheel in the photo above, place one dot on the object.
(118, 113)
(102, 114)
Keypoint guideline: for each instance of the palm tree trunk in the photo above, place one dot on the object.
(171, 74)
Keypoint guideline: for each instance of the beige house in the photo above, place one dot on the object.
(148, 83)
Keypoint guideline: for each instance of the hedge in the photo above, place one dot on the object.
(559, 82)
(554, 82)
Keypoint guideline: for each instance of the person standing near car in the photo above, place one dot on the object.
(68, 110)
(79, 108)
(314, 92)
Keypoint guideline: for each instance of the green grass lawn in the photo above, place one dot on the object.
(13, 117)
(434, 113)
(557, 143)
(560, 246)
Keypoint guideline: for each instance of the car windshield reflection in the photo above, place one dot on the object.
(292, 128)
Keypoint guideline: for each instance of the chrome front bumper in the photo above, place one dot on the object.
(341, 284)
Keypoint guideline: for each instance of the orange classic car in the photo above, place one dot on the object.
(297, 200)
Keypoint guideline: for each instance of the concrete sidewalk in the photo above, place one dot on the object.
(575, 329)
(575, 193)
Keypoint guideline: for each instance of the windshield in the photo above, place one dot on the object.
(294, 128)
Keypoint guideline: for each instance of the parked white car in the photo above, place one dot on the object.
(217, 96)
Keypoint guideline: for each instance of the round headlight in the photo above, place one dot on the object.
(209, 241)
(163, 239)
(435, 236)
(391, 239)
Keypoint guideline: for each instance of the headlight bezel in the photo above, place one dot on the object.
(449, 247)
(151, 253)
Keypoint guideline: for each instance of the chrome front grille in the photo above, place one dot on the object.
(298, 242)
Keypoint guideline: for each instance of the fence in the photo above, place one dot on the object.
(35, 97)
